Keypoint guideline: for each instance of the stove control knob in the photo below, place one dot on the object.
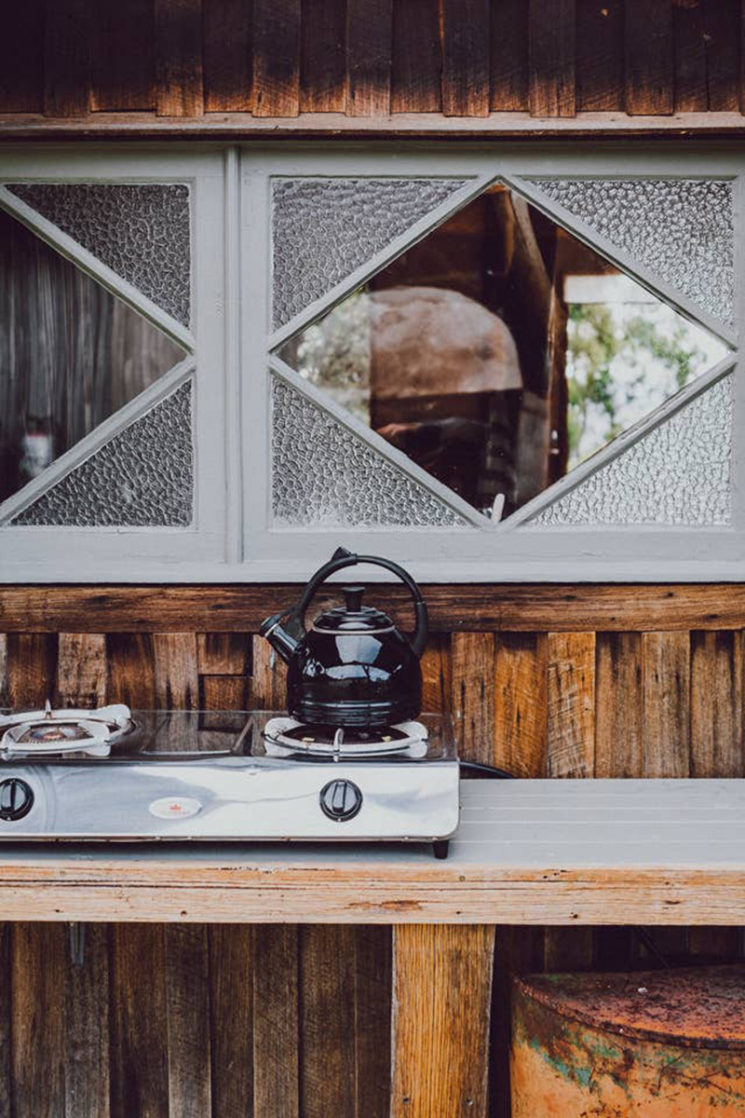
(16, 799)
(341, 800)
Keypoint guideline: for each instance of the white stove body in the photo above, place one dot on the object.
(195, 778)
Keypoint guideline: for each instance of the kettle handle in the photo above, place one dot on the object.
(343, 558)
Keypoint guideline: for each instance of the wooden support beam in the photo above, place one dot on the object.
(442, 980)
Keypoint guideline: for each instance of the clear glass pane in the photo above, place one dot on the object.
(681, 229)
(141, 232)
(500, 352)
(677, 474)
(142, 476)
(71, 354)
(309, 488)
(325, 228)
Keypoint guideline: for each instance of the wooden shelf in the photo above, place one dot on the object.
(527, 852)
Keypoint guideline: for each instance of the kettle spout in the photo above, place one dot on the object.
(279, 638)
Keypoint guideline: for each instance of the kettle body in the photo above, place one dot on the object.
(352, 666)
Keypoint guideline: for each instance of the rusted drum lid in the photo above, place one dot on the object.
(695, 1007)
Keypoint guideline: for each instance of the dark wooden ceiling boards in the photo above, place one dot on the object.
(281, 59)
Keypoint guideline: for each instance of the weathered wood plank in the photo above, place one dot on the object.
(86, 1036)
(568, 949)
(707, 56)
(139, 1022)
(465, 57)
(223, 653)
(509, 56)
(275, 1030)
(691, 93)
(122, 56)
(131, 669)
(663, 896)
(38, 1020)
(67, 58)
(551, 58)
(176, 676)
(232, 964)
(81, 670)
(276, 63)
(723, 26)
(372, 1021)
(473, 694)
(327, 1021)
(599, 62)
(4, 700)
(666, 726)
(649, 57)
(31, 669)
(268, 682)
(178, 58)
(520, 716)
(224, 692)
(717, 679)
(188, 1014)
(618, 708)
(238, 127)
(436, 674)
(571, 753)
(520, 747)
(571, 704)
(369, 51)
(22, 60)
(474, 607)
(323, 56)
(440, 1053)
(227, 55)
(416, 57)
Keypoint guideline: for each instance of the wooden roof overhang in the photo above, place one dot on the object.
(239, 69)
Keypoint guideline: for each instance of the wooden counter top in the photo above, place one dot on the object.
(538, 851)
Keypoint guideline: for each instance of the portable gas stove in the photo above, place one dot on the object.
(112, 774)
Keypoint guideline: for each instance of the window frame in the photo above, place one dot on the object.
(233, 538)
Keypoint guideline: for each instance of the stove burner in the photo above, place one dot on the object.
(51, 732)
(299, 737)
(61, 732)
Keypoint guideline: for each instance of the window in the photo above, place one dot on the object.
(502, 363)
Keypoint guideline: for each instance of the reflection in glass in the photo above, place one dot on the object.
(71, 354)
(500, 351)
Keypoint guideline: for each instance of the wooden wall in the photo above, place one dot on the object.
(369, 58)
(283, 1021)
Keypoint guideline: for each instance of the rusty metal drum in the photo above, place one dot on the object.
(651, 1044)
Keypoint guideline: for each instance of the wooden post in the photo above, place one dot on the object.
(442, 979)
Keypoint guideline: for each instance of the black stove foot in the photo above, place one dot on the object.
(440, 848)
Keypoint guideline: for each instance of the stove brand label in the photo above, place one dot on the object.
(175, 807)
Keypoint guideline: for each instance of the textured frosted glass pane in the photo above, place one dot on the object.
(141, 232)
(325, 228)
(143, 476)
(680, 229)
(323, 475)
(678, 474)
(70, 355)
(497, 387)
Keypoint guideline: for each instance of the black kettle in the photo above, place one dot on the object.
(352, 667)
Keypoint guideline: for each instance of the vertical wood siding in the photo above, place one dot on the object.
(234, 1021)
(279, 58)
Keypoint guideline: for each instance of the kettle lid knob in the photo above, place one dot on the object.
(353, 597)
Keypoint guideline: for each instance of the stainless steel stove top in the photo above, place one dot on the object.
(232, 775)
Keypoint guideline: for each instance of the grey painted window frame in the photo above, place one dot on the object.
(233, 538)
